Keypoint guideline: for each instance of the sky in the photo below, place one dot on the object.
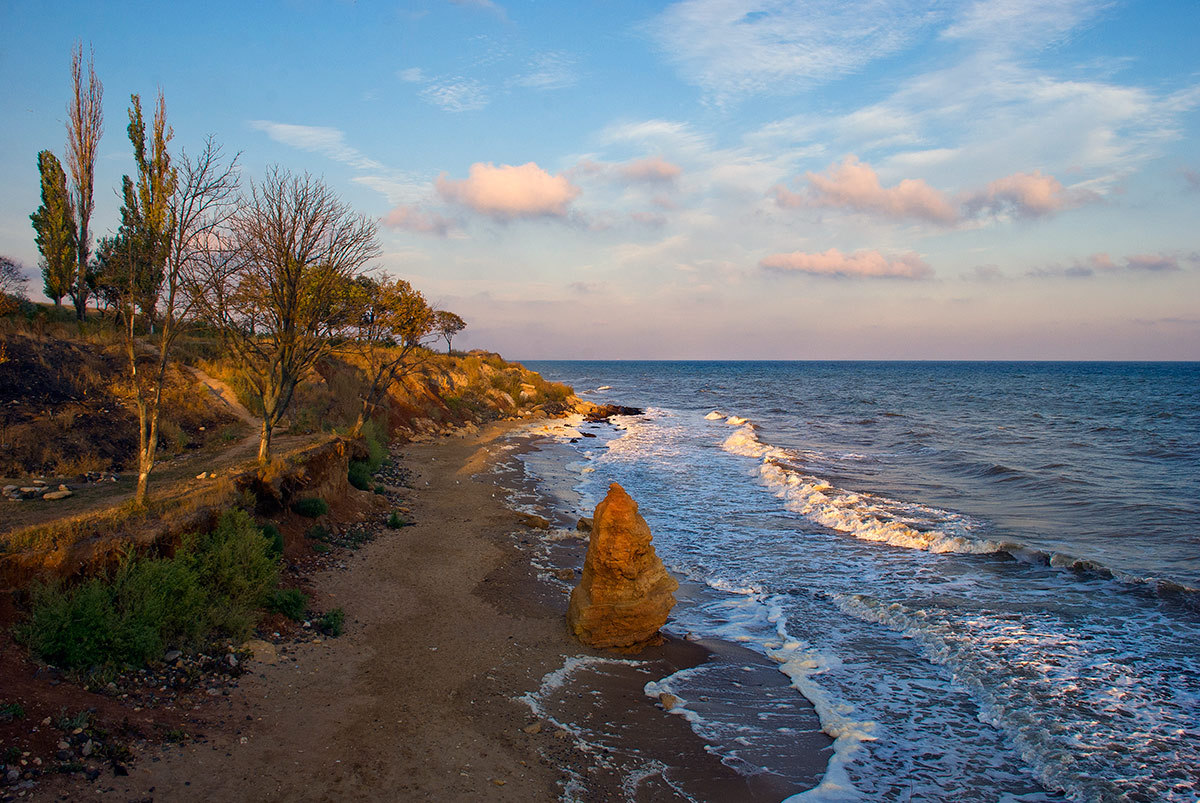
(706, 179)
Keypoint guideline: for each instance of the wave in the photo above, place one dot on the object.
(914, 526)
(862, 515)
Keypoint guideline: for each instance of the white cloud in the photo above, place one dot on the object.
(329, 142)
(412, 75)
(545, 71)
(1023, 24)
(456, 94)
(731, 48)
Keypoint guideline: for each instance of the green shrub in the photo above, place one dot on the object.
(310, 508)
(396, 521)
(376, 438)
(211, 588)
(12, 711)
(360, 475)
(320, 547)
(331, 623)
(317, 532)
(379, 489)
(291, 602)
(235, 570)
(274, 539)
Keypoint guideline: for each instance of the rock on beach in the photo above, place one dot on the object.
(625, 594)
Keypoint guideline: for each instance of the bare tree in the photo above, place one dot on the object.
(12, 285)
(85, 124)
(387, 328)
(280, 290)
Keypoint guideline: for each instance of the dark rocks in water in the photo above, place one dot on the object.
(604, 412)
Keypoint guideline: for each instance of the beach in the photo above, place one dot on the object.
(451, 641)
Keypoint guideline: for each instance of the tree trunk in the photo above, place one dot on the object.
(264, 442)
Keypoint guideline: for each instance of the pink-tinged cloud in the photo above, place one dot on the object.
(1156, 263)
(854, 185)
(412, 218)
(651, 171)
(866, 264)
(1025, 195)
(508, 192)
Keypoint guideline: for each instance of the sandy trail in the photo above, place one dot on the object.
(446, 627)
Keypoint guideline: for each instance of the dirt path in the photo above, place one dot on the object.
(225, 397)
(409, 704)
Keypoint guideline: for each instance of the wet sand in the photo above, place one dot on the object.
(447, 628)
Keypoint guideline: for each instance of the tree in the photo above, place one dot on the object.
(12, 285)
(387, 327)
(54, 222)
(447, 325)
(133, 266)
(280, 289)
(85, 124)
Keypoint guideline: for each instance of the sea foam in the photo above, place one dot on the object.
(862, 515)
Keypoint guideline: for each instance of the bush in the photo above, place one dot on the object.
(331, 623)
(291, 602)
(310, 508)
(396, 521)
(274, 539)
(320, 547)
(360, 475)
(211, 588)
(376, 438)
(317, 532)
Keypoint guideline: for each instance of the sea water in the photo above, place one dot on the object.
(983, 575)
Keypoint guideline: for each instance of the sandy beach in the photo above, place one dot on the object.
(421, 698)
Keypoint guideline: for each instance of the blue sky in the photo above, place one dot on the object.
(1002, 179)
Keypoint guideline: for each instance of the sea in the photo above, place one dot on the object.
(985, 576)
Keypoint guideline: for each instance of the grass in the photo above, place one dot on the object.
(10, 711)
(210, 588)
(332, 622)
(291, 602)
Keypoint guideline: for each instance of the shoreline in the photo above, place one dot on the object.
(449, 635)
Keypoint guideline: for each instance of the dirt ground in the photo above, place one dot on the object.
(446, 627)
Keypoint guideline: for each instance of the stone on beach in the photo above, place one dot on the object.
(626, 594)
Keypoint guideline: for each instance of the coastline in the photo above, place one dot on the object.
(449, 628)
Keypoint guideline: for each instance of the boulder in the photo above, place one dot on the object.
(54, 496)
(625, 594)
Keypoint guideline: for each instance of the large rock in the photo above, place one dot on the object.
(625, 594)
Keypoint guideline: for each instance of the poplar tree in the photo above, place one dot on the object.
(85, 124)
(55, 227)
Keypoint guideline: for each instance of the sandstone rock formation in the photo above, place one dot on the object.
(625, 594)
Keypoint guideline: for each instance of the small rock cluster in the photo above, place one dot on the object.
(83, 747)
(37, 489)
